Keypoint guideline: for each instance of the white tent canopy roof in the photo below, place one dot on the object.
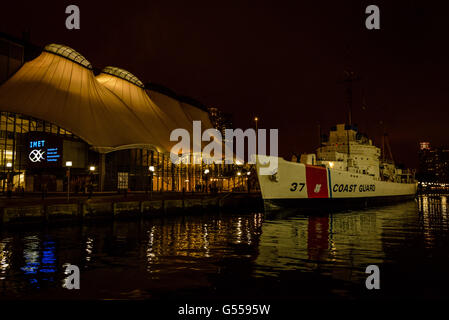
(111, 111)
(160, 114)
(160, 123)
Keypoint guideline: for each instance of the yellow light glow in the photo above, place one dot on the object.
(331, 164)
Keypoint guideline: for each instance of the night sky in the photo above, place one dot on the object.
(280, 60)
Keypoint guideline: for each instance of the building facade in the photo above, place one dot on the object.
(433, 163)
(107, 131)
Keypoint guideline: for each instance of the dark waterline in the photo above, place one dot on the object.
(249, 255)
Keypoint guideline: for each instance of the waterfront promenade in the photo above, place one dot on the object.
(57, 207)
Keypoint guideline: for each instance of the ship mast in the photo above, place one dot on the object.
(386, 146)
(320, 142)
(349, 78)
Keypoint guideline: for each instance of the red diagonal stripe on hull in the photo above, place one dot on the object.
(316, 179)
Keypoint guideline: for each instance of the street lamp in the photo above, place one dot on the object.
(151, 168)
(91, 181)
(256, 120)
(206, 171)
(8, 180)
(239, 179)
(68, 164)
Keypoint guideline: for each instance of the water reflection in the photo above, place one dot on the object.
(48, 260)
(5, 257)
(434, 217)
(31, 257)
(188, 240)
(297, 254)
(89, 248)
(326, 242)
(39, 260)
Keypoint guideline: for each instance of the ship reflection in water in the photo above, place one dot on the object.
(240, 255)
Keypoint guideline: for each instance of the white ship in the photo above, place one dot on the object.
(347, 170)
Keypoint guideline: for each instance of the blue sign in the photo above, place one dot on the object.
(44, 151)
(53, 155)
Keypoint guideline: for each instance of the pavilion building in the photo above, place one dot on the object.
(112, 130)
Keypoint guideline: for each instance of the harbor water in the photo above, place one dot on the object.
(238, 255)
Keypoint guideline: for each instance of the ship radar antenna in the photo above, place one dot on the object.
(320, 140)
(387, 155)
(349, 78)
(364, 111)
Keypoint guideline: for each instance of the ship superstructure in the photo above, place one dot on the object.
(348, 150)
(347, 166)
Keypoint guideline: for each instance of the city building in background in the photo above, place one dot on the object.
(433, 163)
(220, 120)
(11, 57)
(107, 129)
(13, 53)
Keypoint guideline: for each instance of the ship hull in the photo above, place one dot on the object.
(312, 205)
(296, 185)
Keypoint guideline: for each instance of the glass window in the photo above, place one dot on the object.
(123, 74)
(68, 53)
